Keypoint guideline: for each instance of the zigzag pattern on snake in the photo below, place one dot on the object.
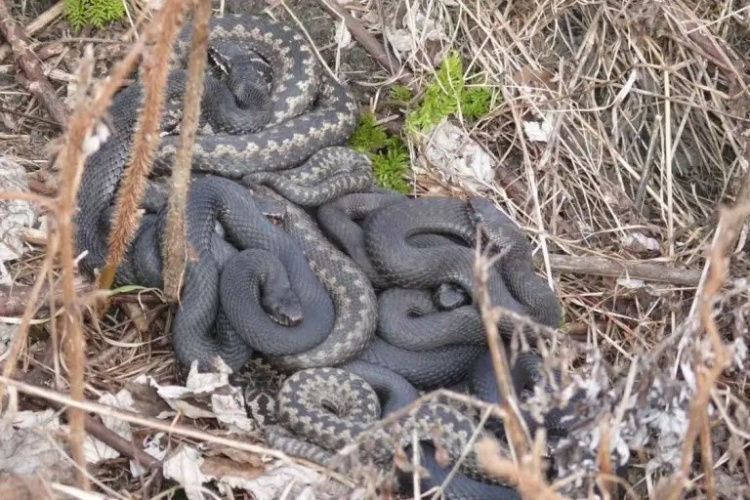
(279, 134)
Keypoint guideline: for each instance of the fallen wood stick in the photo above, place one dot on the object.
(14, 299)
(370, 44)
(39, 84)
(45, 18)
(600, 266)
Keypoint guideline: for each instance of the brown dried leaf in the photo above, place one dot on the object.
(222, 467)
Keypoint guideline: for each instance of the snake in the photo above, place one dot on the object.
(286, 140)
(347, 403)
(410, 248)
(309, 111)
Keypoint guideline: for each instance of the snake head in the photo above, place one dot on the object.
(503, 234)
(283, 307)
(271, 208)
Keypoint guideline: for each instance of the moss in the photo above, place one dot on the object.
(97, 13)
(389, 154)
(448, 94)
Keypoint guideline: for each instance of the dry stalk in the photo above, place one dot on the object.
(72, 331)
(39, 84)
(19, 341)
(529, 485)
(707, 458)
(135, 419)
(175, 250)
(71, 159)
(516, 430)
(163, 31)
(706, 377)
(604, 459)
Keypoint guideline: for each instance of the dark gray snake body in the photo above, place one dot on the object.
(317, 304)
(292, 138)
(407, 247)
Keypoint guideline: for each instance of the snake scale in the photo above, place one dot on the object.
(282, 268)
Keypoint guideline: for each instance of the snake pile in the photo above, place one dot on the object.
(360, 297)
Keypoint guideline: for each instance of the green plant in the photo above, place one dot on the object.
(94, 12)
(388, 153)
(448, 94)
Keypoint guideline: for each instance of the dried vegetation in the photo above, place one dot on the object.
(620, 134)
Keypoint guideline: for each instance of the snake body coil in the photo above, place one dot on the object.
(271, 119)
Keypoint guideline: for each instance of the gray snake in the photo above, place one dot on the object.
(319, 288)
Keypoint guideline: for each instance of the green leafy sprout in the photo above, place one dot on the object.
(388, 153)
(97, 13)
(446, 95)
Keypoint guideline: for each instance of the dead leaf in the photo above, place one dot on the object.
(221, 467)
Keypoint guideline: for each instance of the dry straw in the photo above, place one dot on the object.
(647, 103)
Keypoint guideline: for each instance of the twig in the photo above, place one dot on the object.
(39, 85)
(133, 418)
(30, 117)
(72, 318)
(40, 374)
(370, 44)
(707, 458)
(175, 250)
(528, 485)
(114, 441)
(600, 266)
(515, 429)
(44, 19)
(706, 376)
(163, 31)
(14, 299)
(71, 157)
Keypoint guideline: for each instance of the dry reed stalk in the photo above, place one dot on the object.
(158, 425)
(162, 31)
(706, 376)
(528, 474)
(529, 485)
(70, 157)
(175, 250)
(515, 429)
(72, 325)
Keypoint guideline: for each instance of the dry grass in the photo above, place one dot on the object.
(648, 107)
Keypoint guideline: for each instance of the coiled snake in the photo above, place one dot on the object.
(275, 122)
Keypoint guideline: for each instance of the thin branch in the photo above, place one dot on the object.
(600, 266)
(39, 85)
(163, 30)
(45, 18)
(706, 376)
(72, 319)
(133, 418)
(370, 44)
(14, 299)
(516, 431)
(175, 250)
